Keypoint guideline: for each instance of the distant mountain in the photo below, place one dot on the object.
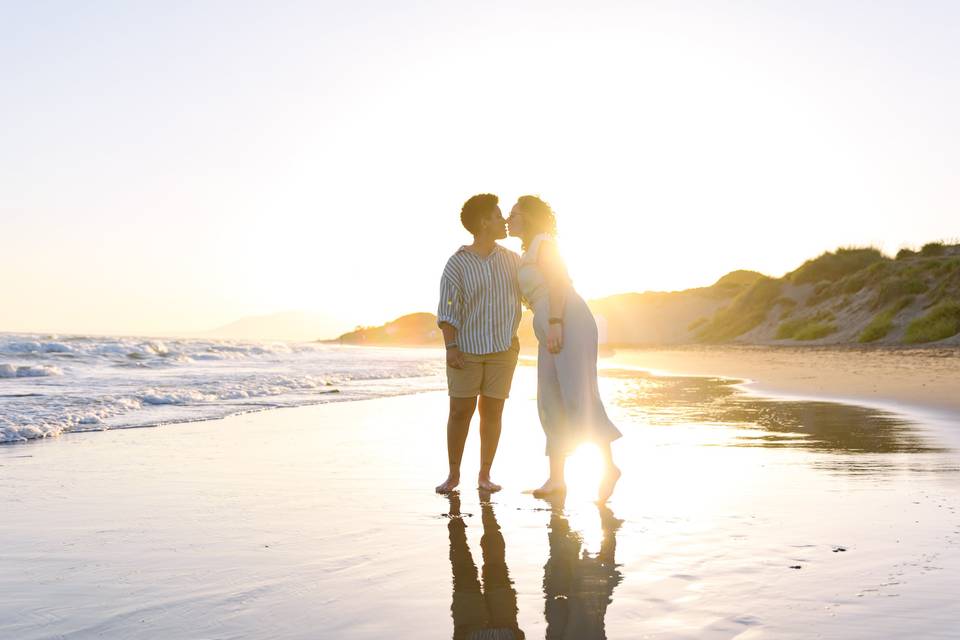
(850, 296)
(625, 319)
(416, 329)
(286, 325)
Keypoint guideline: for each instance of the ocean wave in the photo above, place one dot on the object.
(116, 382)
(113, 348)
(29, 371)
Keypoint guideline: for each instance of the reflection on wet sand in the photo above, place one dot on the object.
(578, 582)
(578, 585)
(487, 611)
(819, 426)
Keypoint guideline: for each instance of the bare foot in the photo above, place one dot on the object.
(486, 484)
(608, 484)
(449, 484)
(550, 488)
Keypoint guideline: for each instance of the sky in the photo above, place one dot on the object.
(174, 166)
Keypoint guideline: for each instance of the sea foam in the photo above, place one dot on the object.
(51, 385)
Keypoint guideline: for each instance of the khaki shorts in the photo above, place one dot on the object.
(488, 375)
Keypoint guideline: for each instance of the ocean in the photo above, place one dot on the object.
(50, 385)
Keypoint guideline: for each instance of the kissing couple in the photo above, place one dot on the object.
(479, 313)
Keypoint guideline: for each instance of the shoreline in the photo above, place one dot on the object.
(279, 523)
(918, 382)
(900, 380)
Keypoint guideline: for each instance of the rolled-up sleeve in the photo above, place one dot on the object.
(450, 309)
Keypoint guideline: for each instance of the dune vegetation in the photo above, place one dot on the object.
(943, 321)
(882, 323)
(854, 295)
(850, 295)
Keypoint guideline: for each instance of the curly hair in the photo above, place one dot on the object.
(538, 218)
(475, 209)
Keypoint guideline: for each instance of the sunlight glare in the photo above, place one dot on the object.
(584, 471)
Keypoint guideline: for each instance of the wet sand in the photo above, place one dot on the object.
(737, 516)
(919, 379)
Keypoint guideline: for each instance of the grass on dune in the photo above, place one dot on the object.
(882, 323)
(942, 321)
(905, 254)
(832, 266)
(812, 327)
(897, 287)
(815, 330)
(747, 310)
(933, 249)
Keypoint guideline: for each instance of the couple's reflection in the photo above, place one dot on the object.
(577, 585)
(489, 610)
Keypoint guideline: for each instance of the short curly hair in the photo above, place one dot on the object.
(477, 208)
(538, 218)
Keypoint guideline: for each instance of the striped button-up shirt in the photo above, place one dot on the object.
(481, 298)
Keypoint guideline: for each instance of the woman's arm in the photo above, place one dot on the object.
(558, 283)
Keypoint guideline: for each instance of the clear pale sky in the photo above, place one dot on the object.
(173, 166)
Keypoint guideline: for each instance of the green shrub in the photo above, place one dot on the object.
(833, 266)
(815, 330)
(788, 329)
(876, 270)
(881, 324)
(933, 249)
(913, 270)
(945, 289)
(855, 282)
(747, 310)
(807, 328)
(878, 328)
(696, 324)
(943, 321)
(897, 288)
(739, 278)
(904, 254)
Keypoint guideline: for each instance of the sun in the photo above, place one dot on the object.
(584, 472)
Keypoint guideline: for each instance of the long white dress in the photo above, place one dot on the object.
(568, 398)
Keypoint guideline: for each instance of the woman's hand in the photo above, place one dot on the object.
(555, 338)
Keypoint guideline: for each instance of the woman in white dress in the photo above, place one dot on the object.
(568, 398)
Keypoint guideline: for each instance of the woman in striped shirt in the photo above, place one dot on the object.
(479, 313)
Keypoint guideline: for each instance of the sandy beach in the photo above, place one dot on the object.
(915, 379)
(736, 517)
(246, 245)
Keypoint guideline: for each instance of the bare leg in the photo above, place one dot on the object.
(491, 415)
(556, 483)
(611, 474)
(458, 424)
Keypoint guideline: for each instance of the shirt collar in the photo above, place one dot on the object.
(496, 249)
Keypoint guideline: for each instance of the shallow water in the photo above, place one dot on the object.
(736, 517)
(51, 385)
(770, 422)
